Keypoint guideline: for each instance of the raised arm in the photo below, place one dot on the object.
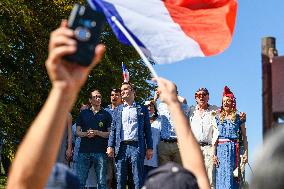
(38, 151)
(191, 156)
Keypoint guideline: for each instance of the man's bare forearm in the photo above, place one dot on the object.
(81, 133)
(103, 134)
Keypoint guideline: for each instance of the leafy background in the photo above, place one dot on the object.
(25, 27)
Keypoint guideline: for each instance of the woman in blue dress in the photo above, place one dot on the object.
(226, 148)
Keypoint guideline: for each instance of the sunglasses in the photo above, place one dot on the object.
(200, 95)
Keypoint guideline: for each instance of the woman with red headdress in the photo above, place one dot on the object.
(226, 148)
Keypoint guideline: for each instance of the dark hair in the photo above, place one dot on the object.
(93, 91)
(202, 89)
(155, 109)
(169, 176)
(130, 84)
(116, 90)
(155, 112)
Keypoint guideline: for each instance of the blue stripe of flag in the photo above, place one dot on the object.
(109, 10)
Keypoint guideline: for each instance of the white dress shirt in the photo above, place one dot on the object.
(129, 123)
(202, 123)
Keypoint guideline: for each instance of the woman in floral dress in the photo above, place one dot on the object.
(226, 148)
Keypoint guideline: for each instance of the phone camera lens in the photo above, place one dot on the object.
(82, 34)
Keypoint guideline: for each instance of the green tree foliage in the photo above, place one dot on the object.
(25, 27)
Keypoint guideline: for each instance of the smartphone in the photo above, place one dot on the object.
(87, 25)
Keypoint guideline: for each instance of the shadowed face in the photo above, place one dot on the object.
(151, 108)
(115, 98)
(96, 98)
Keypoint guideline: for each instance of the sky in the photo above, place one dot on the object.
(238, 67)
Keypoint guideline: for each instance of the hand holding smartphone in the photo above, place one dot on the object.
(87, 25)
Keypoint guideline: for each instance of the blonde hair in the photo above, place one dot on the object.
(223, 115)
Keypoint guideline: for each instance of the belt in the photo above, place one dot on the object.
(174, 140)
(224, 140)
(204, 144)
(129, 142)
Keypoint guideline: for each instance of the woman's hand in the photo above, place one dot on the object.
(243, 116)
(245, 158)
(215, 160)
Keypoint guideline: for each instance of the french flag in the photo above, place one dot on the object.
(125, 73)
(173, 30)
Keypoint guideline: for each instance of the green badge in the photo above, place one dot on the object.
(101, 124)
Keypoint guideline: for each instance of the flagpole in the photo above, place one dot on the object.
(137, 48)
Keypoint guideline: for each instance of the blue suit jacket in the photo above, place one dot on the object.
(144, 129)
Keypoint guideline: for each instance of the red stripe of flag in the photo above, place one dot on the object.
(209, 22)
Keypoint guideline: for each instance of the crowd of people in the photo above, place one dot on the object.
(121, 130)
(151, 145)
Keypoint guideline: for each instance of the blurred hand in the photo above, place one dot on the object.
(62, 73)
(149, 154)
(68, 154)
(90, 133)
(110, 152)
(167, 90)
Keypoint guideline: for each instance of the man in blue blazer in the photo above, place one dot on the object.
(130, 138)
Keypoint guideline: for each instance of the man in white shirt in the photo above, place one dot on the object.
(202, 121)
